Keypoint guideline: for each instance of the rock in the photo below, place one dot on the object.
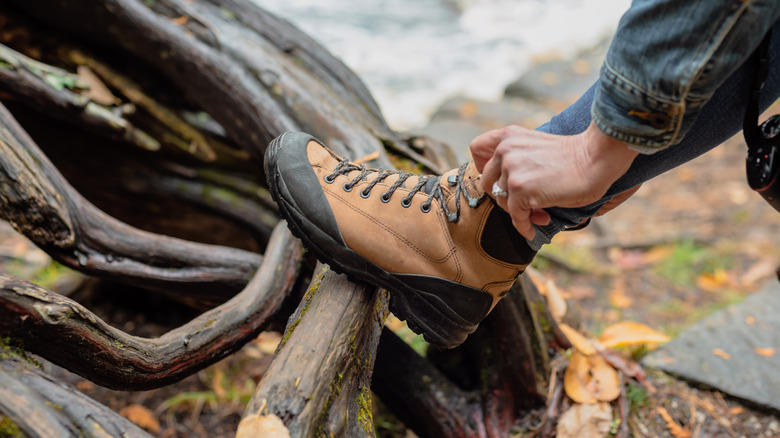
(458, 120)
(736, 351)
(559, 82)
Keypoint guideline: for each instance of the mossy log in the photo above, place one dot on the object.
(319, 380)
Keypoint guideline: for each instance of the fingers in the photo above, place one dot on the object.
(483, 146)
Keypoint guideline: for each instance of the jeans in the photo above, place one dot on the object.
(720, 119)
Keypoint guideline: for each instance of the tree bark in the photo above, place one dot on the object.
(64, 332)
(319, 380)
(37, 406)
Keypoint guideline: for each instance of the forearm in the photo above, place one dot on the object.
(667, 59)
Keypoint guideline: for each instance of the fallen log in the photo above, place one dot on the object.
(318, 383)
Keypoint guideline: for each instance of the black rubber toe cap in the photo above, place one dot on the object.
(291, 176)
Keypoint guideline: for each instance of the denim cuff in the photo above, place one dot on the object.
(626, 112)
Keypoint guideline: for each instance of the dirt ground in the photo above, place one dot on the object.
(687, 244)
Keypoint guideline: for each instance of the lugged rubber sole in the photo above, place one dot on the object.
(424, 312)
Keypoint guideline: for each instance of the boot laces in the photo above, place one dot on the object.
(429, 184)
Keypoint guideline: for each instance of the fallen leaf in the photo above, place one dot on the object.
(630, 333)
(555, 301)
(141, 416)
(98, 91)
(618, 297)
(657, 254)
(180, 21)
(585, 421)
(370, 157)
(85, 385)
(721, 354)
(626, 258)
(590, 379)
(628, 368)
(736, 410)
(750, 320)
(766, 352)
(578, 292)
(675, 429)
(713, 282)
(578, 341)
(262, 426)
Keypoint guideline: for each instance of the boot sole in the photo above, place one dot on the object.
(424, 312)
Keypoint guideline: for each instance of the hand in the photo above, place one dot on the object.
(541, 170)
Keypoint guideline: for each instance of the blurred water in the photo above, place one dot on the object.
(413, 54)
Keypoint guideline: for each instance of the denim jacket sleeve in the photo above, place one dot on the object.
(667, 59)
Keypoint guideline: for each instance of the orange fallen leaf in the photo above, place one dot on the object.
(675, 429)
(721, 354)
(590, 379)
(630, 333)
(618, 297)
(750, 320)
(555, 301)
(180, 21)
(578, 341)
(141, 416)
(712, 282)
(265, 426)
(370, 157)
(766, 352)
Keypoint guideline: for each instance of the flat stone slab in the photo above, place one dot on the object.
(736, 351)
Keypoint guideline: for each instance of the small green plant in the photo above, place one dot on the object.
(688, 260)
(637, 396)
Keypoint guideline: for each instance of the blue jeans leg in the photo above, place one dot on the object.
(720, 119)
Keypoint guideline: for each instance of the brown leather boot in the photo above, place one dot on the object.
(445, 251)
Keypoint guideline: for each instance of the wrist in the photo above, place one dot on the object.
(603, 147)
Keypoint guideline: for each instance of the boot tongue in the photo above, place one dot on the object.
(472, 181)
(430, 185)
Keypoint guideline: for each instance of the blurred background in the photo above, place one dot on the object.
(413, 54)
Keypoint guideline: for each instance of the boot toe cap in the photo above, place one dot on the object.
(292, 180)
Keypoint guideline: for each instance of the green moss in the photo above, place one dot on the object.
(51, 404)
(9, 429)
(364, 415)
(227, 13)
(302, 308)
(9, 349)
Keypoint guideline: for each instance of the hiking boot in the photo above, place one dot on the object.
(442, 248)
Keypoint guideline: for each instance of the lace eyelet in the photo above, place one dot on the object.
(365, 194)
(385, 198)
(347, 187)
(330, 178)
(406, 202)
(425, 208)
